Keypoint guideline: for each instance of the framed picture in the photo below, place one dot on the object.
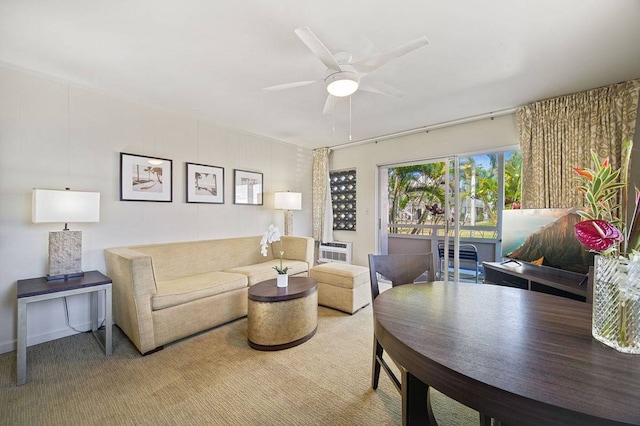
(247, 187)
(145, 178)
(205, 184)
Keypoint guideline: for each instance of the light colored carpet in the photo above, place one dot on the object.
(213, 378)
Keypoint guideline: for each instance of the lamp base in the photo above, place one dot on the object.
(65, 276)
(65, 254)
(288, 222)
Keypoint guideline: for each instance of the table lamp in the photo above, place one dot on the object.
(288, 201)
(65, 247)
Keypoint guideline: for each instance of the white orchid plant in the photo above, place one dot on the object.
(272, 235)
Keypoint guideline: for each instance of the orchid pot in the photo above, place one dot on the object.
(282, 280)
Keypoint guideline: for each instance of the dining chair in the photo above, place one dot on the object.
(399, 269)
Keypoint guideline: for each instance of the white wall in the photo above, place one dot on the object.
(55, 135)
(497, 134)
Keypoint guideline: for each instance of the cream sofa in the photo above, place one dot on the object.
(164, 292)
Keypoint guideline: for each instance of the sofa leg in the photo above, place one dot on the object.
(152, 351)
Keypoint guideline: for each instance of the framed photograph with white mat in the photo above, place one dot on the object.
(145, 178)
(205, 184)
(247, 187)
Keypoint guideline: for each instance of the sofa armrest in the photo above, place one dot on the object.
(133, 286)
(298, 248)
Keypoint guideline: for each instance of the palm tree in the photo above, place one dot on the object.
(417, 187)
(487, 187)
(148, 169)
(158, 172)
(487, 191)
(513, 179)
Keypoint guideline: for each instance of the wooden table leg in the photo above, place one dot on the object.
(415, 410)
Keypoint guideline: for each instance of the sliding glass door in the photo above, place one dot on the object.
(452, 226)
(416, 201)
(449, 205)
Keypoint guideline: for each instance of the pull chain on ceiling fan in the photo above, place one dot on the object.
(350, 138)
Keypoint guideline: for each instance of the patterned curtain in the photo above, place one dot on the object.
(560, 133)
(322, 222)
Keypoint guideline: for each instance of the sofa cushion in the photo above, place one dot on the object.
(264, 271)
(183, 290)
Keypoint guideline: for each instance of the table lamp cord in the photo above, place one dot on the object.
(66, 312)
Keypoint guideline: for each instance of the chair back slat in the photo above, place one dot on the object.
(400, 269)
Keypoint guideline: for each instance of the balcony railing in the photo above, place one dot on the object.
(406, 238)
(438, 230)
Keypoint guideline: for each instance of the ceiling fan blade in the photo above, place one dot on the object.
(328, 105)
(374, 62)
(318, 48)
(290, 85)
(368, 84)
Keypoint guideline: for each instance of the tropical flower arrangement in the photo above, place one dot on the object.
(616, 285)
(271, 236)
(601, 230)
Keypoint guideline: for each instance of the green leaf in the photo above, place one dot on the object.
(634, 229)
(585, 215)
(597, 182)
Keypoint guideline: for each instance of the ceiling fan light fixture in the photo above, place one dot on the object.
(343, 83)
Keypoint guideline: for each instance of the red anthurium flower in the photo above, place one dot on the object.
(597, 235)
(583, 172)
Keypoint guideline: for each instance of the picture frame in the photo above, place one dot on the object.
(144, 178)
(205, 184)
(247, 187)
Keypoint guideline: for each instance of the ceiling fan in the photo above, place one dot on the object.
(345, 77)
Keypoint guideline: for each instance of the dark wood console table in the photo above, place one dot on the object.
(538, 278)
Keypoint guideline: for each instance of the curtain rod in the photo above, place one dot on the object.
(426, 128)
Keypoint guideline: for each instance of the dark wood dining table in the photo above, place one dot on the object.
(518, 356)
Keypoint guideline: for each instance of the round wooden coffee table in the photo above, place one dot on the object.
(282, 317)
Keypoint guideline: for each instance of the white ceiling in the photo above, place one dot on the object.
(211, 58)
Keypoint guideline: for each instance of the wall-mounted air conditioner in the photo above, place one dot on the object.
(336, 251)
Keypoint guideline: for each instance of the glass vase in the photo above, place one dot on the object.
(616, 303)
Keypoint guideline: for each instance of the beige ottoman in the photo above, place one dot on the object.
(342, 286)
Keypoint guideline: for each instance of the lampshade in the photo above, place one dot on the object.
(288, 201)
(342, 83)
(54, 206)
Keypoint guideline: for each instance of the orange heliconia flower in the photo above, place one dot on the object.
(583, 172)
